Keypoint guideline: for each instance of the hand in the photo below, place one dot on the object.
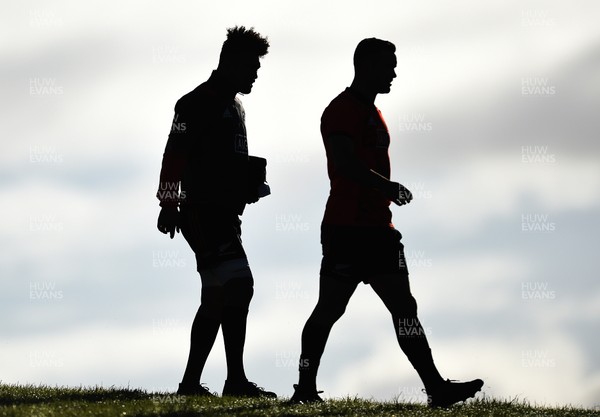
(252, 196)
(168, 220)
(403, 195)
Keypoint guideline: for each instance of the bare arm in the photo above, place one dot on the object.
(173, 165)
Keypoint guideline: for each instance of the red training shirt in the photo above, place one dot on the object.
(351, 203)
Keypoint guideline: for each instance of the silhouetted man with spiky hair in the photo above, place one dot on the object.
(360, 243)
(206, 180)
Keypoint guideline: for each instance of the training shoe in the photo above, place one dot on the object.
(199, 390)
(246, 389)
(303, 396)
(450, 392)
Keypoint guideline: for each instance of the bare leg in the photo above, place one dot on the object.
(238, 293)
(204, 332)
(394, 291)
(334, 295)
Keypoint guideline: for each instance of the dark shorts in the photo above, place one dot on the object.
(214, 235)
(359, 253)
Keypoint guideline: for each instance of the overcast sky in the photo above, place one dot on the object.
(494, 125)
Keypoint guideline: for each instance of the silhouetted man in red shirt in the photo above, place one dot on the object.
(358, 238)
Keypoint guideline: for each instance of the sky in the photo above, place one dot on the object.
(494, 126)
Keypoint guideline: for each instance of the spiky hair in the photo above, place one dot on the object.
(242, 41)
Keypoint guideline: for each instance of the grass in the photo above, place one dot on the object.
(34, 401)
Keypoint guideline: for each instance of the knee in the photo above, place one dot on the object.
(227, 285)
(328, 313)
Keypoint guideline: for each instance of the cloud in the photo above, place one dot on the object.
(79, 172)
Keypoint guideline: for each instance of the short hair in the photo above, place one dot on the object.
(371, 48)
(244, 42)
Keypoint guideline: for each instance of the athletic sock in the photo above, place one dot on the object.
(314, 339)
(234, 337)
(413, 342)
(238, 293)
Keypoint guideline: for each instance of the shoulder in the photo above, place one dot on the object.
(344, 113)
(344, 105)
(200, 97)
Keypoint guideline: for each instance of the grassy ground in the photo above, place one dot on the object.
(33, 401)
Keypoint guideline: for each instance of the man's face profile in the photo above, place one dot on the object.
(245, 73)
(384, 72)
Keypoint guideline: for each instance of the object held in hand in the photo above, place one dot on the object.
(257, 172)
(263, 190)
